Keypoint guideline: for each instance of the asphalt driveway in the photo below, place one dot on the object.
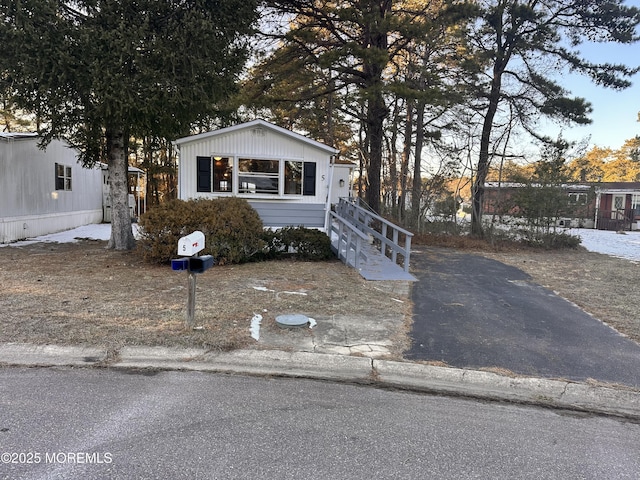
(474, 312)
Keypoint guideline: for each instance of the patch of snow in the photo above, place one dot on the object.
(255, 326)
(263, 289)
(96, 231)
(312, 322)
(622, 245)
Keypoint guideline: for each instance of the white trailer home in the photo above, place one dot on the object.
(44, 191)
(289, 179)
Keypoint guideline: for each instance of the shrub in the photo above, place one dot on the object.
(552, 240)
(273, 246)
(442, 227)
(232, 229)
(304, 243)
(298, 242)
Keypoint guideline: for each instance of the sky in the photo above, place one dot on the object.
(615, 113)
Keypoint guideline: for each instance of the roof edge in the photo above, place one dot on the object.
(18, 135)
(256, 123)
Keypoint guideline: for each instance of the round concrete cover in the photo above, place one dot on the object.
(292, 320)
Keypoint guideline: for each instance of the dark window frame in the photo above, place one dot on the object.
(63, 177)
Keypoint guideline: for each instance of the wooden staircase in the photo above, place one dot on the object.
(377, 248)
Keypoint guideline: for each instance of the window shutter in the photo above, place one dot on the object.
(309, 178)
(204, 174)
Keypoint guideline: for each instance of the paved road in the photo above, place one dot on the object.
(97, 423)
(470, 311)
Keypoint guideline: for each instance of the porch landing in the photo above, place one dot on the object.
(376, 266)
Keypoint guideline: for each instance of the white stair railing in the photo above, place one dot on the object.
(393, 242)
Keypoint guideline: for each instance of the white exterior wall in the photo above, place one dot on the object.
(30, 205)
(268, 144)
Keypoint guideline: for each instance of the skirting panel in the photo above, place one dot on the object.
(19, 228)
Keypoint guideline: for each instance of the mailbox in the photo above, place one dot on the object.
(189, 247)
(179, 264)
(191, 244)
(200, 264)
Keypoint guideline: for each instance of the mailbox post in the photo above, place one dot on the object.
(189, 247)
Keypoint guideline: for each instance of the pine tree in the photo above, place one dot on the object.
(521, 43)
(96, 72)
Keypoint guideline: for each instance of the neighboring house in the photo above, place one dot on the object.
(614, 205)
(617, 206)
(137, 203)
(44, 191)
(289, 179)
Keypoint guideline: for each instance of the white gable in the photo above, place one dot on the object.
(256, 136)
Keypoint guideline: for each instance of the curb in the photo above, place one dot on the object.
(49, 355)
(598, 399)
(253, 362)
(606, 400)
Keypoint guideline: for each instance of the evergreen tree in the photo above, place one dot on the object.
(355, 45)
(541, 198)
(96, 72)
(521, 44)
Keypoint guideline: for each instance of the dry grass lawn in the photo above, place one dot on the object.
(81, 293)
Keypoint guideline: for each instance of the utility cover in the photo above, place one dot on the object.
(292, 320)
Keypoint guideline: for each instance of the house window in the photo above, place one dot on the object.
(578, 198)
(63, 177)
(258, 176)
(618, 202)
(635, 203)
(255, 176)
(299, 178)
(292, 178)
(222, 174)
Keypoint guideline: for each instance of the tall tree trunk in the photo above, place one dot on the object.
(376, 114)
(416, 190)
(375, 60)
(121, 232)
(171, 184)
(393, 156)
(477, 189)
(362, 161)
(503, 54)
(404, 167)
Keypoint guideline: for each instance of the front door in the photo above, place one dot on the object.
(617, 207)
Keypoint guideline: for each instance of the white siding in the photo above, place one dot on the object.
(267, 144)
(261, 140)
(30, 205)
